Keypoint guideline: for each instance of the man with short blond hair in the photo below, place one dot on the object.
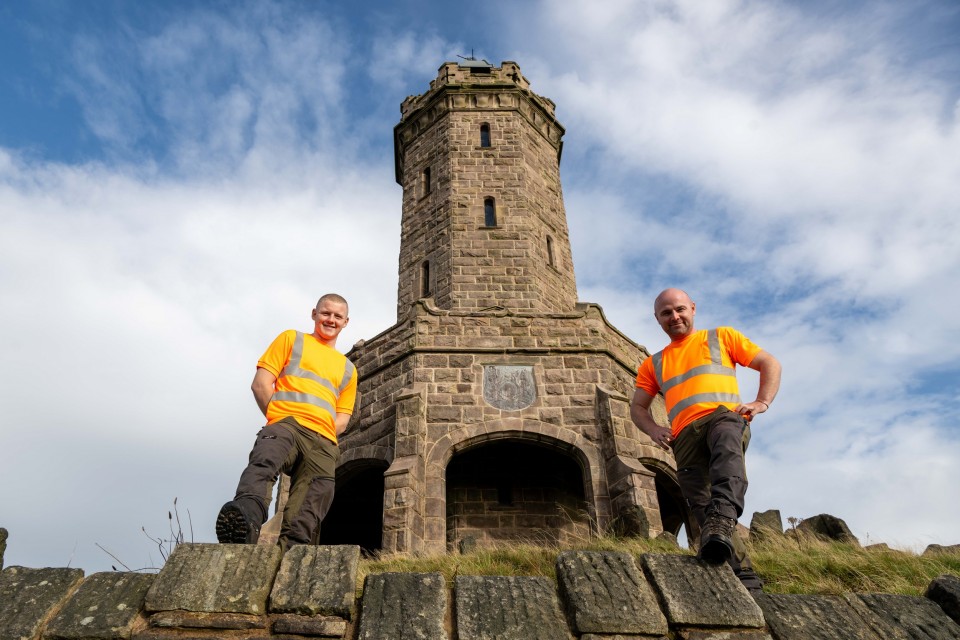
(306, 389)
(709, 425)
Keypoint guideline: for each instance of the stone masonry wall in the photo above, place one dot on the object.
(439, 357)
(244, 592)
(473, 265)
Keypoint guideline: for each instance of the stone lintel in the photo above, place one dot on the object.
(900, 617)
(215, 578)
(509, 608)
(29, 596)
(814, 617)
(106, 606)
(607, 593)
(696, 594)
(404, 605)
(317, 580)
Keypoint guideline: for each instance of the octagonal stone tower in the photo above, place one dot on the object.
(497, 407)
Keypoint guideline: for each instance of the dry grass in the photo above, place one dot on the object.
(786, 564)
(806, 565)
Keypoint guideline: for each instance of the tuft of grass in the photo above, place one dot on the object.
(787, 564)
(804, 564)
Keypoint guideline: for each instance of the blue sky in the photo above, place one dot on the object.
(180, 180)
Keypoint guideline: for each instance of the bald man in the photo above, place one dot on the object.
(709, 426)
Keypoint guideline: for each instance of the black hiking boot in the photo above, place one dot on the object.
(716, 539)
(235, 527)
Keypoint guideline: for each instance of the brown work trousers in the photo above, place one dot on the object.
(309, 459)
(713, 476)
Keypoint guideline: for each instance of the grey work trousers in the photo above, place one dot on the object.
(713, 476)
(309, 459)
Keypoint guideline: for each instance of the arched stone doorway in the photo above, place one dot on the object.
(356, 515)
(514, 489)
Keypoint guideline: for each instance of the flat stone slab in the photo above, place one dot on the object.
(324, 626)
(27, 596)
(607, 593)
(106, 606)
(897, 617)
(813, 617)
(707, 634)
(509, 608)
(207, 621)
(697, 594)
(945, 591)
(317, 581)
(404, 605)
(215, 578)
(619, 636)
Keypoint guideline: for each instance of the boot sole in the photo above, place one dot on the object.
(232, 525)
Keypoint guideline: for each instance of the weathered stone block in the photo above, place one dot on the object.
(765, 524)
(827, 527)
(709, 634)
(27, 597)
(207, 621)
(324, 626)
(945, 591)
(607, 593)
(701, 595)
(317, 580)
(933, 549)
(812, 617)
(213, 578)
(106, 606)
(509, 608)
(897, 617)
(403, 605)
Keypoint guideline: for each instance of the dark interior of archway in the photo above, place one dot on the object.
(356, 515)
(673, 509)
(502, 489)
(510, 464)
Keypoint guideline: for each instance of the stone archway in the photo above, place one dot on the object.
(548, 511)
(515, 490)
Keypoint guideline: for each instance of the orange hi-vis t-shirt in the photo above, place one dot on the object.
(697, 374)
(314, 382)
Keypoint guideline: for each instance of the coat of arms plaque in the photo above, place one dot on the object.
(509, 387)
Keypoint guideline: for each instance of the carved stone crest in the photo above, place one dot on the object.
(509, 387)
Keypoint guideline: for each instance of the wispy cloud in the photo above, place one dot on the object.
(796, 171)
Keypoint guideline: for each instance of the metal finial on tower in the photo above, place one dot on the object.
(472, 62)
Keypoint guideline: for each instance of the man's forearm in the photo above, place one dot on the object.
(769, 382)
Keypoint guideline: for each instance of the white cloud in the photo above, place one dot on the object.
(790, 170)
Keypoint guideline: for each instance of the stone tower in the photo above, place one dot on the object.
(497, 407)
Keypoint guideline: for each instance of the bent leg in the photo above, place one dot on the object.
(274, 447)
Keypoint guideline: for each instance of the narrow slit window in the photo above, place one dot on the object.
(485, 135)
(550, 259)
(427, 185)
(489, 212)
(425, 279)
